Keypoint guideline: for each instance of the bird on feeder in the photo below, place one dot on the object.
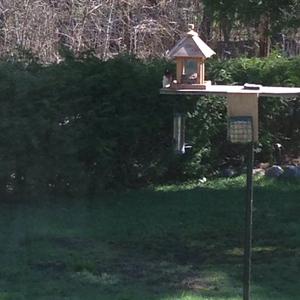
(167, 79)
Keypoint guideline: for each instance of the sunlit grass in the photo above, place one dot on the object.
(235, 182)
(162, 243)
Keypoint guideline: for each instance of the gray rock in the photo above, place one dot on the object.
(229, 172)
(291, 171)
(274, 172)
(259, 172)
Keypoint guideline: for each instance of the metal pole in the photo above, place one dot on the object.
(248, 223)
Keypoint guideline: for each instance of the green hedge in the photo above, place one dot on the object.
(82, 126)
(86, 125)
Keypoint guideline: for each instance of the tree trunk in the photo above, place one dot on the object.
(264, 36)
(226, 29)
(127, 27)
(206, 25)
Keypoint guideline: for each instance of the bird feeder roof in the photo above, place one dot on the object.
(191, 46)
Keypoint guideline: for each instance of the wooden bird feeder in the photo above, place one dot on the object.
(242, 110)
(190, 54)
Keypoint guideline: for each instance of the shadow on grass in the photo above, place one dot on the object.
(168, 243)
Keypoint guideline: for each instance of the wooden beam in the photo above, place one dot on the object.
(200, 79)
(224, 90)
(179, 69)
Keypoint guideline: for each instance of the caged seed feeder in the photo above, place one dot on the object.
(240, 130)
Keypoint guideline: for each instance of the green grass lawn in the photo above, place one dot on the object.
(169, 242)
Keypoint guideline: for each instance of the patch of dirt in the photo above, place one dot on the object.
(54, 266)
(154, 273)
(64, 242)
(196, 284)
(135, 270)
(72, 243)
(270, 255)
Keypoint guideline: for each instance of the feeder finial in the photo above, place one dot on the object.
(191, 32)
(191, 26)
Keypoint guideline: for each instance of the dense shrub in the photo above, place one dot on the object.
(82, 125)
(86, 125)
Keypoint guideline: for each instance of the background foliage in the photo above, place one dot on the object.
(87, 125)
(146, 28)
